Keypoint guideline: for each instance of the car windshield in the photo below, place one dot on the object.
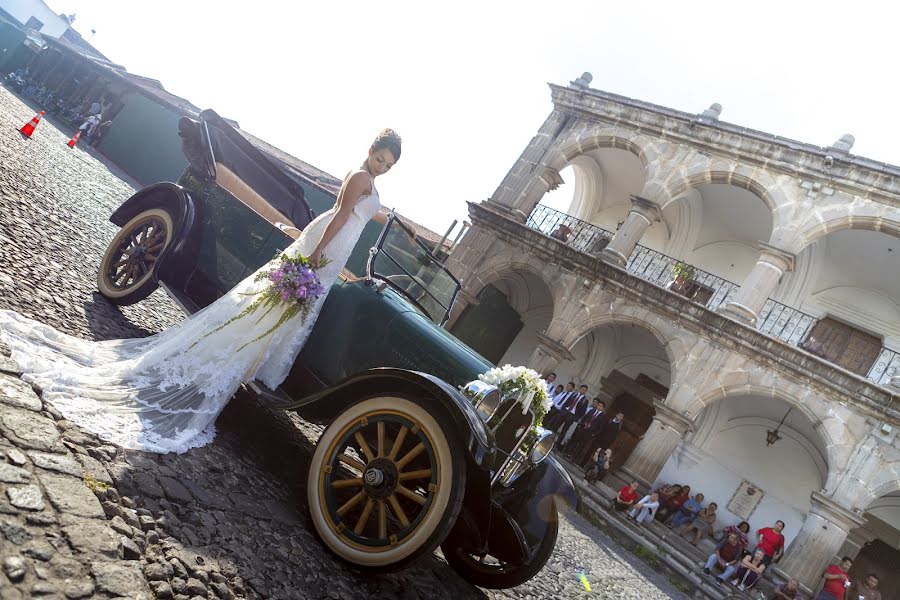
(410, 268)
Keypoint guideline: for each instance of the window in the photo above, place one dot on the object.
(843, 345)
(33, 23)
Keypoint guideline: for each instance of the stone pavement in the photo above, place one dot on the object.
(80, 518)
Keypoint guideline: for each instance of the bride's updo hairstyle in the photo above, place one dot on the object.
(388, 139)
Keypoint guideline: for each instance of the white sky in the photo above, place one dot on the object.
(465, 83)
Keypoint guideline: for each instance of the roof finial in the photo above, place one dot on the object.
(712, 113)
(584, 81)
(845, 143)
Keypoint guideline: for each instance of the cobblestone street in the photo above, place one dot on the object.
(82, 519)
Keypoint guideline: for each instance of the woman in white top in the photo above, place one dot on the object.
(645, 509)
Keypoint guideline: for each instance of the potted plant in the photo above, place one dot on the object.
(683, 274)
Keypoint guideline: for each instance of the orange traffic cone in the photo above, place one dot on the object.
(28, 128)
(74, 139)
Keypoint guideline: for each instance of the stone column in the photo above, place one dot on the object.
(548, 354)
(659, 443)
(526, 182)
(643, 214)
(824, 532)
(760, 283)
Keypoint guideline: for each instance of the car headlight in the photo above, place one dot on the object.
(542, 446)
(483, 396)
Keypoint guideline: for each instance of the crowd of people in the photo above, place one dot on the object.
(586, 432)
(739, 565)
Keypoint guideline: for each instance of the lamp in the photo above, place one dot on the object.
(772, 434)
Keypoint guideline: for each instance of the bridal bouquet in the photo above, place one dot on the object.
(294, 282)
(528, 383)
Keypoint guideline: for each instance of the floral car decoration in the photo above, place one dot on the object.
(532, 389)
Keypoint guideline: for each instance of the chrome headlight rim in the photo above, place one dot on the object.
(485, 398)
(542, 447)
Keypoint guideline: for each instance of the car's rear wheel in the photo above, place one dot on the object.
(489, 572)
(386, 482)
(127, 269)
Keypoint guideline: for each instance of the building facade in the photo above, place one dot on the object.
(735, 294)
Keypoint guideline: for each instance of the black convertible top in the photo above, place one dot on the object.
(213, 140)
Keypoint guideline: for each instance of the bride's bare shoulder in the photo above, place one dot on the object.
(357, 183)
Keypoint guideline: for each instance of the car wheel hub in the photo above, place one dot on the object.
(380, 478)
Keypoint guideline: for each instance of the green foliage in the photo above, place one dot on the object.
(684, 270)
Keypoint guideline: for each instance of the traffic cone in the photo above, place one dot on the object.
(28, 128)
(74, 139)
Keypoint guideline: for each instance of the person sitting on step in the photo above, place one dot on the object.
(688, 511)
(727, 553)
(703, 524)
(645, 509)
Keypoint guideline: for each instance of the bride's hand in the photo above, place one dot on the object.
(315, 258)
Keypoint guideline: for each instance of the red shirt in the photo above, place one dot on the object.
(771, 541)
(627, 494)
(835, 587)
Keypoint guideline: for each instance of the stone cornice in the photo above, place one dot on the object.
(557, 350)
(836, 383)
(668, 417)
(832, 511)
(853, 174)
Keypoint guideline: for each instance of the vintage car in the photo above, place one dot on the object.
(417, 452)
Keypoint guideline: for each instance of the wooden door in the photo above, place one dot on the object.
(638, 417)
(843, 345)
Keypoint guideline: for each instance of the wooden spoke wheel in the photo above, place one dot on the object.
(386, 482)
(127, 268)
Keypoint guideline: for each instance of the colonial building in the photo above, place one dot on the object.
(734, 293)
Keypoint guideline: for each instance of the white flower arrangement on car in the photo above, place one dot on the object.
(527, 382)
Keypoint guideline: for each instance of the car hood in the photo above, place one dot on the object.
(424, 346)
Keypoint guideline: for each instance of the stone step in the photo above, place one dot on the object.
(676, 552)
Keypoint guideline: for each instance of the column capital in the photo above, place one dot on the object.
(672, 419)
(833, 512)
(645, 208)
(552, 178)
(554, 348)
(778, 258)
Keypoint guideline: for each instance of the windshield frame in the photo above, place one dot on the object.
(372, 275)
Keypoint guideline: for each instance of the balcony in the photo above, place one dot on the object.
(776, 320)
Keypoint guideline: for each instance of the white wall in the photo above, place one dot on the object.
(54, 25)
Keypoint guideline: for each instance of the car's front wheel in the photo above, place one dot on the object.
(492, 573)
(127, 269)
(386, 482)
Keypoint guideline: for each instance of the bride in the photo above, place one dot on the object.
(163, 393)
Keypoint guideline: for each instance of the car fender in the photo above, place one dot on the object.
(179, 204)
(324, 406)
(532, 499)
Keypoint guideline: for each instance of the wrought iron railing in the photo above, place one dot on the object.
(886, 366)
(576, 233)
(776, 320)
(703, 287)
(784, 323)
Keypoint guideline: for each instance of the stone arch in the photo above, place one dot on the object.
(501, 264)
(568, 150)
(663, 331)
(835, 460)
(852, 219)
(755, 185)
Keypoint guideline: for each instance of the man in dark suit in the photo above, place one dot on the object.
(554, 417)
(572, 411)
(589, 427)
(610, 432)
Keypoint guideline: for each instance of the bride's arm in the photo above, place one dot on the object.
(352, 190)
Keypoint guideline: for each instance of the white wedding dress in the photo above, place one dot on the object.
(163, 393)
